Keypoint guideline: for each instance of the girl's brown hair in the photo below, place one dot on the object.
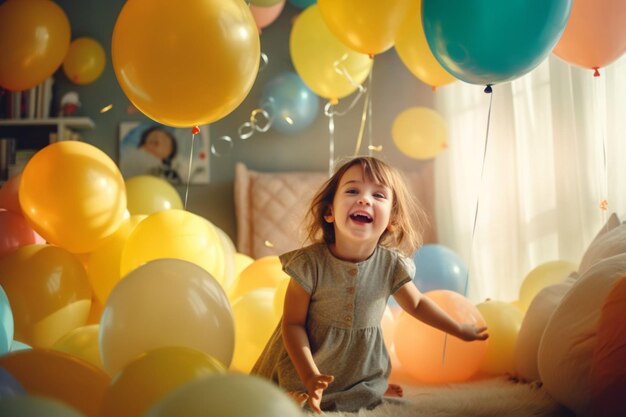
(407, 218)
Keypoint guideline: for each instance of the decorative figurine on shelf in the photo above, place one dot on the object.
(69, 104)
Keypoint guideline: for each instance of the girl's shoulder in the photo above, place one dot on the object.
(393, 256)
(306, 253)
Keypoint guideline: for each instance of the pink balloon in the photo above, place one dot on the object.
(595, 34)
(264, 16)
(15, 232)
(8, 194)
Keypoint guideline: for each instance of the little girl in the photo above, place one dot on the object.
(328, 350)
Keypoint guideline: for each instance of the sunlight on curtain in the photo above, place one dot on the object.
(553, 153)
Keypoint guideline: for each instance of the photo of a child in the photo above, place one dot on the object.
(154, 149)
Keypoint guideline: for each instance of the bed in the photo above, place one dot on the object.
(571, 348)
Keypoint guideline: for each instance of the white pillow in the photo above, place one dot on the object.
(566, 348)
(610, 241)
(533, 325)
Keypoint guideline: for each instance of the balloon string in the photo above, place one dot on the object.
(370, 146)
(328, 110)
(194, 132)
(600, 131)
(364, 114)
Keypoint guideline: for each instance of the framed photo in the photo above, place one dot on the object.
(150, 148)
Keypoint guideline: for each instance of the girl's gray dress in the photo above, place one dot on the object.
(343, 324)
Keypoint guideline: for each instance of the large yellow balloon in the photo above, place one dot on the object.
(414, 52)
(166, 302)
(48, 290)
(548, 273)
(367, 26)
(255, 321)
(327, 66)
(103, 264)
(73, 194)
(57, 375)
(175, 234)
(186, 62)
(84, 61)
(148, 194)
(265, 272)
(504, 321)
(419, 133)
(34, 38)
(153, 375)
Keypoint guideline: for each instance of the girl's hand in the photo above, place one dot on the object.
(470, 332)
(315, 385)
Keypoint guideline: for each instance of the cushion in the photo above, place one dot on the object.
(610, 240)
(533, 325)
(270, 207)
(566, 348)
(608, 381)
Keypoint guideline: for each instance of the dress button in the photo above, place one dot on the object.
(350, 290)
(349, 306)
(353, 272)
(348, 318)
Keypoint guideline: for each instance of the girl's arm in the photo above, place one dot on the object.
(296, 341)
(426, 310)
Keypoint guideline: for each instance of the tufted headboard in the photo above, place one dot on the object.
(270, 207)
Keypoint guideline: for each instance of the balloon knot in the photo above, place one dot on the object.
(195, 130)
(488, 89)
(434, 88)
(333, 101)
(371, 55)
(596, 73)
(604, 205)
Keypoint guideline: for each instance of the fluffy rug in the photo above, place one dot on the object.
(485, 398)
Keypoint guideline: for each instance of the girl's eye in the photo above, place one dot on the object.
(351, 191)
(379, 195)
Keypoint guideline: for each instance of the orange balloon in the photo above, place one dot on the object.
(187, 62)
(414, 52)
(84, 61)
(429, 355)
(367, 26)
(73, 195)
(34, 38)
(48, 291)
(595, 33)
(153, 375)
(57, 375)
(266, 272)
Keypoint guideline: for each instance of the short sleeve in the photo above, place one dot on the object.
(404, 272)
(299, 266)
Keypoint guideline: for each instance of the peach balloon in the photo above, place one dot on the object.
(265, 15)
(15, 232)
(9, 199)
(429, 355)
(595, 33)
(48, 290)
(57, 375)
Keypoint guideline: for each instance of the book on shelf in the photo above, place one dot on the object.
(34, 103)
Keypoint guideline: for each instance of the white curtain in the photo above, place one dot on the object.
(553, 154)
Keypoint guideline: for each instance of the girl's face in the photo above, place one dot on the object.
(361, 208)
(159, 144)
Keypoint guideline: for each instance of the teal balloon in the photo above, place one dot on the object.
(302, 4)
(493, 41)
(6, 323)
(34, 406)
(292, 106)
(439, 268)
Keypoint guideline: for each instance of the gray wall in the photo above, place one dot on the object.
(394, 89)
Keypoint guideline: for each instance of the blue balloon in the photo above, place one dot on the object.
(493, 41)
(292, 106)
(439, 268)
(9, 386)
(6, 323)
(302, 4)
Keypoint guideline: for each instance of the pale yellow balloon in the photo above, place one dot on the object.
(414, 52)
(265, 272)
(175, 234)
(279, 297)
(103, 264)
(255, 321)
(82, 342)
(228, 247)
(148, 194)
(153, 375)
(548, 273)
(503, 321)
(242, 261)
(327, 66)
(420, 133)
